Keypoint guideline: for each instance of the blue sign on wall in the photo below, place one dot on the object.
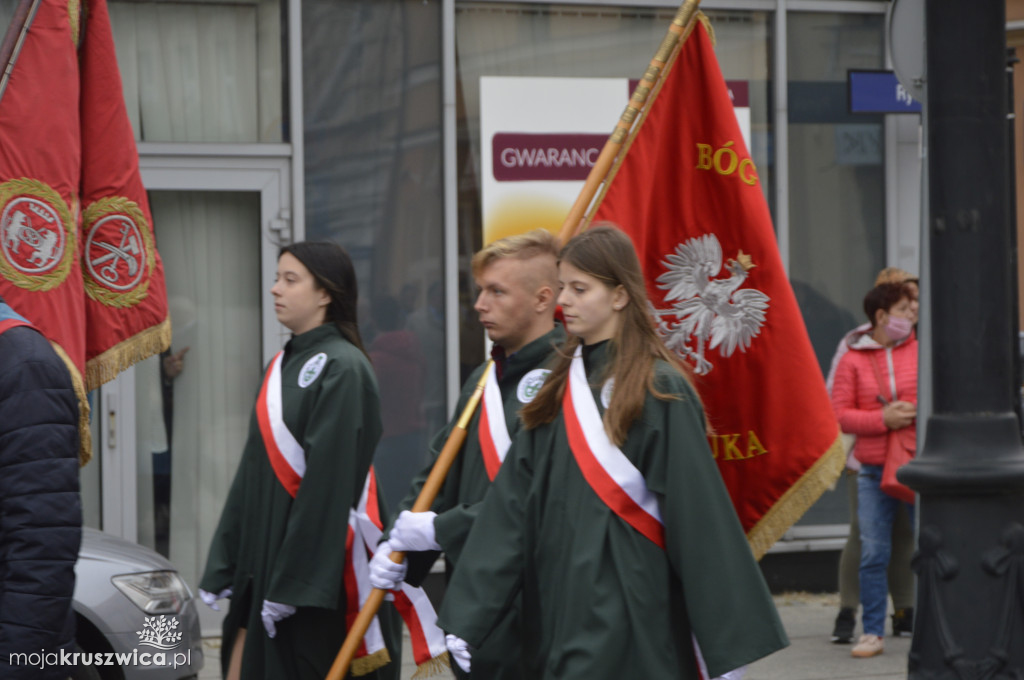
(879, 92)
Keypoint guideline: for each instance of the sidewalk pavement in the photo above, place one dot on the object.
(808, 620)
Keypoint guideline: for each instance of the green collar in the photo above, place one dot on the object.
(533, 354)
(311, 338)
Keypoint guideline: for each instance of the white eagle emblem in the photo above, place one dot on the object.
(714, 311)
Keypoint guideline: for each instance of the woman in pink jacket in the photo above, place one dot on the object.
(875, 391)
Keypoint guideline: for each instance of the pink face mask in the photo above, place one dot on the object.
(898, 328)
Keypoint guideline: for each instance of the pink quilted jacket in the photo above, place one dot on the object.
(855, 391)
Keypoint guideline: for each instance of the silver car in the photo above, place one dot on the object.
(136, 617)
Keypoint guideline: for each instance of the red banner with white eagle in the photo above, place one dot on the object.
(125, 294)
(689, 195)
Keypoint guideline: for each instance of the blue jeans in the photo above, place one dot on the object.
(876, 512)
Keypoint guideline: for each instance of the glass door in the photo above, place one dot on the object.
(168, 433)
(193, 401)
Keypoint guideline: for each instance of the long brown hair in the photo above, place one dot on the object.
(607, 254)
(332, 270)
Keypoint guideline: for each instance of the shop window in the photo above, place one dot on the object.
(202, 71)
(836, 173)
(837, 188)
(373, 179)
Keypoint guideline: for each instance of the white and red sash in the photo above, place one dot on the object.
(493, 430)
(606, 468)
(285, 453)
(609, 472)
(288, 460)
(365, 526)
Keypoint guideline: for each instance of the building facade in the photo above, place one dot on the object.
(262, 122)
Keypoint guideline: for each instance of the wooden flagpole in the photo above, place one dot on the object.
(15, 38)
(431, 488)
(680, 26)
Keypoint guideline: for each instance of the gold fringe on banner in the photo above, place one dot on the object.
(703, 18)
(434, 666)
(798, 499)
(371, 662)
(84, 433)
(105, 367)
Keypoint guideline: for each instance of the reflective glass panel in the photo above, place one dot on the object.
(373, 158)
(836, 173)
(837, 188)
(202, 71)
(194, 401)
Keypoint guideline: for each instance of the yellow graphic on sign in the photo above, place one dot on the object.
(518, 214)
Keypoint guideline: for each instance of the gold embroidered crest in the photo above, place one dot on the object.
(37, 237)
(118, 255)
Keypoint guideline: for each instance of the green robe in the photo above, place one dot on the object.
(270, 546)
(466, 486)
(600, 600)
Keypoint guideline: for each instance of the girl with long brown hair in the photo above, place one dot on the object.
(609, 516)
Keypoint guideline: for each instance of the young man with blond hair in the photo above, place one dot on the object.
(517, 282)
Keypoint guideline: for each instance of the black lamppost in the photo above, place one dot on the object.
(970, 471)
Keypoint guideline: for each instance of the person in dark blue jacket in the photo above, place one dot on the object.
(40, 508)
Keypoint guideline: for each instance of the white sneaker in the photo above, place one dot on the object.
(868, 645)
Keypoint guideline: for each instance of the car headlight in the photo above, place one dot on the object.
(154, 592)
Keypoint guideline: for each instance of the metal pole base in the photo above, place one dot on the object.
(969, 616)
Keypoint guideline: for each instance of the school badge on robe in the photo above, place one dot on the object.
(530, 385)
(119, 255)
(311, 369)
(37, 240)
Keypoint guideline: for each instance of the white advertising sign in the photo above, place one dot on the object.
(539, 137)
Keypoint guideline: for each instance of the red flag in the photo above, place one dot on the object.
(126, 298)
(40, 160)
(689, 196)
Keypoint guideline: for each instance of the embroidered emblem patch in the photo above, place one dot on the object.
(606, 392)
(118, 255)
(530, 385)
(36, 242)
(706, 312)
(311, 369)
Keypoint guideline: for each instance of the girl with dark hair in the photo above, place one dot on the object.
(279, 551)
(609, 516)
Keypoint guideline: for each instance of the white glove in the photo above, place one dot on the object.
(210, 600)
(459, 650)
(414, 532)
(273, 612)
(384, 573)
